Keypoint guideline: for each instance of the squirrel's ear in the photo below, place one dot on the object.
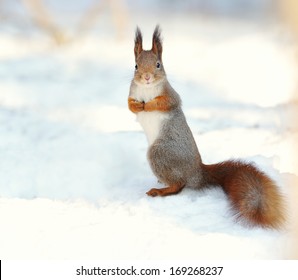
(156, 42)
(138, 42)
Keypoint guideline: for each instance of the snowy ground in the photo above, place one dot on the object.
(73, 169)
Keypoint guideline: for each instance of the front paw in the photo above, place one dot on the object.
(153, 192)
(135, 106)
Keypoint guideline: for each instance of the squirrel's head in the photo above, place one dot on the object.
(149, 68)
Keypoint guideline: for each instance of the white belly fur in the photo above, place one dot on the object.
(151, 123)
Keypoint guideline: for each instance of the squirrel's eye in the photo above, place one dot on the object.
(136, 66)
(158, 65)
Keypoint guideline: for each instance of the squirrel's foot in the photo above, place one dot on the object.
(154, 192)
(173, 189)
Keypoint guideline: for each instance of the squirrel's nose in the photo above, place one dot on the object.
(147, 77)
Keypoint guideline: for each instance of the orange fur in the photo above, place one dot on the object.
(138, 42)
(160, 103)
(135, 106)
(253, 195)
(173, 189)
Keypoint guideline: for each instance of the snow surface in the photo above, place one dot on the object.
(73, 169)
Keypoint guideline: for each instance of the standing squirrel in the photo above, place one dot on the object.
(173, 154)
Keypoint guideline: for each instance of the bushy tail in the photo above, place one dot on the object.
(254, 197)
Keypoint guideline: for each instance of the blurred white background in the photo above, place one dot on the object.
(73, 166)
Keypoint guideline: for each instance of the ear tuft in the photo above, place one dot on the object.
(138, 42)
(157, 42)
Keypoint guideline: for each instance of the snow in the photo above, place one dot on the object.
(73, 168)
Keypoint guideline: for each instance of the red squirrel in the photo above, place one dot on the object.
(173, 154)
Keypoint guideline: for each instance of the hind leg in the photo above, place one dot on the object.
(172, 189)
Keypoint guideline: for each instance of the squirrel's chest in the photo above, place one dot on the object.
(152, 123)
